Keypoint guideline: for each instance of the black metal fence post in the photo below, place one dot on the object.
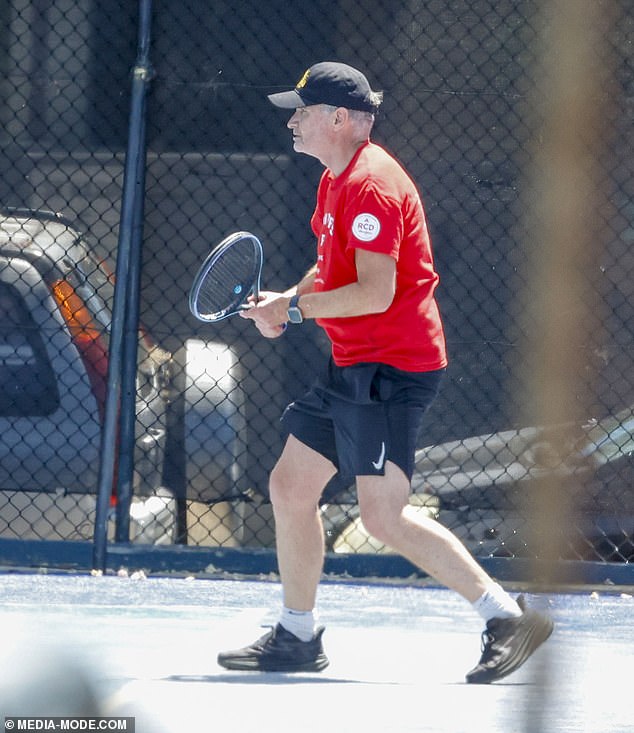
(121, 398)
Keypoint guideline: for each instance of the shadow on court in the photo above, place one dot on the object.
(147, 648)
(271, 678)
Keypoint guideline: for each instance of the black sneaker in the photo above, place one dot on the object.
(278, 651)
(508, 642)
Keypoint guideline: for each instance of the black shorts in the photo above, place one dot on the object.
(363, 415)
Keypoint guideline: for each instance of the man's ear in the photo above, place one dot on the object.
(341, 117)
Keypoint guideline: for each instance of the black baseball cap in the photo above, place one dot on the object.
(330, 82)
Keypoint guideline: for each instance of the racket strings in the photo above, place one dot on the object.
(229, 279)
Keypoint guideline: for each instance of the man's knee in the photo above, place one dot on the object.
(282, 484)
(299, 477)
(381, 520)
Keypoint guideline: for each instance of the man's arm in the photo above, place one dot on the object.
(372, 292)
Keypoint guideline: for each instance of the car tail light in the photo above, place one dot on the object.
(88, 338)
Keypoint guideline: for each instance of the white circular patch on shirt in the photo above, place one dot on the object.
(366, 227)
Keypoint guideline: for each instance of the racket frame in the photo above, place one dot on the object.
(217, 252)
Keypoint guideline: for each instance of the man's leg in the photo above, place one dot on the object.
(296, 484)
(386, 514)
(513, 631)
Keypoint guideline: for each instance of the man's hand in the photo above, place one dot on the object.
(269, 313)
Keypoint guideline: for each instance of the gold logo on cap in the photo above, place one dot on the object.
(302, 82)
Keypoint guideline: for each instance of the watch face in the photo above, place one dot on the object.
(295, 315)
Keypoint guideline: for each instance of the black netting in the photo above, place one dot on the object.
(458, 79)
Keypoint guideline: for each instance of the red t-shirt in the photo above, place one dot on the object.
(375, 206)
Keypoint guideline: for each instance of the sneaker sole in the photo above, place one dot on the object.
(254, 665)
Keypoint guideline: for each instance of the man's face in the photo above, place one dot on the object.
(311, 129)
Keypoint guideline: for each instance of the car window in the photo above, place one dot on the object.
(27, 380)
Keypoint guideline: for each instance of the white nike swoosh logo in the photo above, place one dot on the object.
(379, 464)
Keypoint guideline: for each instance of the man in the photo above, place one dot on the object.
(372, 290)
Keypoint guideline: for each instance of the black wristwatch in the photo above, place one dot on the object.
(294, 313)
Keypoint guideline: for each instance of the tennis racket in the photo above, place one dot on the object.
(230, 273)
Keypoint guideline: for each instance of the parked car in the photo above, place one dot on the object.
(56, 297)
(55, 317)
(484, 484)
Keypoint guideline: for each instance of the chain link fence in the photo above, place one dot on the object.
(458, 78)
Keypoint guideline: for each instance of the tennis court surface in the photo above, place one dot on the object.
(147, 648)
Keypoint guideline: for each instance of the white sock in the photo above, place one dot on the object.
(300, 623)
(495, 602)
